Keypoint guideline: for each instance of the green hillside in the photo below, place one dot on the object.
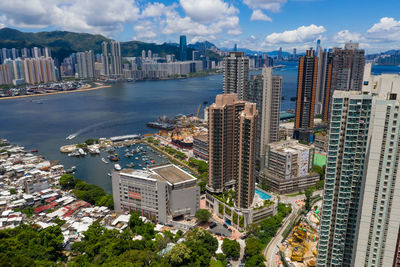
(63, 43)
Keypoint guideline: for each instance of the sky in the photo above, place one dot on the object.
(261, 25)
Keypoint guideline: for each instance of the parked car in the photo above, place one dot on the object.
(212, 225)
(226, 226)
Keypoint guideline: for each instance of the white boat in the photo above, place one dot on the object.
(80, 150)
(109, 174)
(117, 167)
(104, 160)
(71, 136)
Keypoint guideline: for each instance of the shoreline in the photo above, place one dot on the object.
(59, 92)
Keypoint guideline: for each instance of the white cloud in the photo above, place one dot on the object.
(234, 32)
(346, 36)
(387, 29)
(207, 10)
(271, 5)
(101, 16)
(156, 10)
(259, 15)
(302, 34)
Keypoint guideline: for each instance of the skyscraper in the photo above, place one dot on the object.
(104, 46)
(232, 144)
(236, 74)
(347, 73)
(306, 88)
(360, 224)
(324, 78)
(85, 64)
(182, 48)
(265, 90)
(116, 58)
(280, 54)
(379, 223)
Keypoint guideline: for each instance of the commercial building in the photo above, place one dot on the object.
(305, 103)
(182, 48)
(200, 146)
(164, 193)
(236, 74)
(288, 166)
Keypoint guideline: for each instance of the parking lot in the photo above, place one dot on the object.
(220, 229)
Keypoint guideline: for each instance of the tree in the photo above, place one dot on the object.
(253, 247)
(308, 193)
(202, 185)
(13, 191)
(67, 181)
(255, 261)
(203, 215)
(179, 254)
(231, 248)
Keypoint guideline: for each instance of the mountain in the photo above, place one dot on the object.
(202, 45)
(63, 43)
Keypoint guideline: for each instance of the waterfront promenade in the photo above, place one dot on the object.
(83, 89)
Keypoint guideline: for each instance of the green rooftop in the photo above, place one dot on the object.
(319, 159)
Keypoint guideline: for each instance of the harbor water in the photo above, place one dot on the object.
(44, 122)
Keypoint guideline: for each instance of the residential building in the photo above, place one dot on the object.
(39, 70)
(200, 146)
(232, 138)
(305, 103)
(378, 227)
(265, 90)
(321, 142)
(5, 74)
(164, 192)
(324, 78)
(347, 73)
(115, 58)
(182, 48)
(289, 166)
(236, 74)
(85, 64)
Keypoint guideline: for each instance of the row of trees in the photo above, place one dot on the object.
(93, 194)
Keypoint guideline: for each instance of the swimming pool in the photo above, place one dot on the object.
(262, 195)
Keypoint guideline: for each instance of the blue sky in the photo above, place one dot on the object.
(255, 24)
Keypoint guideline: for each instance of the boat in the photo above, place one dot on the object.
(109, 174)
(83, 153)
(71, 136)
(73, 168)
(94, 150)
(131, 165)
(136, 158)
(104, 160)
(34, 150)
(160, 125)
(113, 157)
(117, 167)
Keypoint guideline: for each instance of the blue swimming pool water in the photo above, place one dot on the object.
(262, 195)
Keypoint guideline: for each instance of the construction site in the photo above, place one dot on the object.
(185, 128)
(300, 247)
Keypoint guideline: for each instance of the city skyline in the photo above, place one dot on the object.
(257, 25)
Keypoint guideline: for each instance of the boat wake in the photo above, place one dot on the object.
(97, 126)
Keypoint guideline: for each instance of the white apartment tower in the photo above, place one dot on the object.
(236, 75)
(360, 221)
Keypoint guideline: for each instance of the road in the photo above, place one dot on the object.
(271, 252)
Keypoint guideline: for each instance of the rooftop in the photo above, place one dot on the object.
(173, 174)
(169, 173)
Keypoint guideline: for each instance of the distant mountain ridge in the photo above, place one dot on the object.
(63, 43)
